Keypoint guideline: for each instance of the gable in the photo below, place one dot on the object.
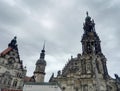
(10, 53)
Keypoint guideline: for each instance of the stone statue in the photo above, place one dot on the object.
(117, 78)
(88, 25)
(13, 43)
(59, 73)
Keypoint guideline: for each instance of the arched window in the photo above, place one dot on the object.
(9, 82)
(85, 88)
(15, 83)
(5, 81)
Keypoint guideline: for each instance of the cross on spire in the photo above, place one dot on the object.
(44, 45)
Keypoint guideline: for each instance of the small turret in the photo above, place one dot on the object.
(51, 78)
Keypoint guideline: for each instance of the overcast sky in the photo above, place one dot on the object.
(60, 24)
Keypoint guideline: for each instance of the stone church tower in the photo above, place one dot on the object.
(39, 72)
(87, 71)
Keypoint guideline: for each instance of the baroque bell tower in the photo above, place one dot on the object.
(88, 71)
(90, 40)
(39, 72)
(91, 47)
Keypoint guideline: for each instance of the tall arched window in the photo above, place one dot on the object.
(9, 81)
(15, 83)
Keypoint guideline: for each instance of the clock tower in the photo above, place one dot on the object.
(39, 72)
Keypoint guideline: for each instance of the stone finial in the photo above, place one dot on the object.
(87, 13)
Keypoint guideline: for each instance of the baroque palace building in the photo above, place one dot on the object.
(88, 71)
(12, 72)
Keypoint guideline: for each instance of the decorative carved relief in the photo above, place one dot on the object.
(88, 67)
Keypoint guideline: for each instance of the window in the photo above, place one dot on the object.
(9, 82)
(15, 83)
(11, 60)
(76, 89)
(5, 81)
(75, 63)
(85, 88)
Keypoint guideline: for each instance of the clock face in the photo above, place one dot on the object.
(11, 60)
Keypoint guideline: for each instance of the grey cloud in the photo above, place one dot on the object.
(37, 5)
(63, 39)
(11, 15)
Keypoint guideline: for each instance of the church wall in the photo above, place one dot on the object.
(88, 71)
(39, 77)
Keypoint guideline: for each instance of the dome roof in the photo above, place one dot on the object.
(41, 61)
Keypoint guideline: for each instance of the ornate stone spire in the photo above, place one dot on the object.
(90, 40)
(39, 72)
(41, 60)
(42, 54)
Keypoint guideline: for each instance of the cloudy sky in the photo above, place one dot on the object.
(60, 24)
